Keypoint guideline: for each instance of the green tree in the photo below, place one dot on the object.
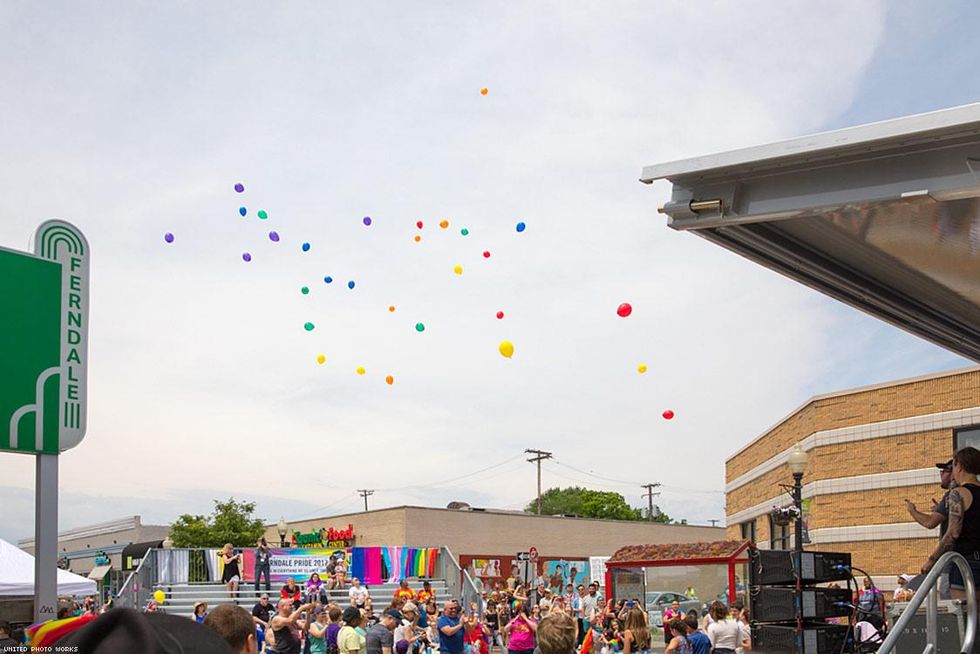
(585, 503)
(229, 522)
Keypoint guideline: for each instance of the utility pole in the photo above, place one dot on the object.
(365, 493)
(714, 523)
(650, 495)
(539, 456)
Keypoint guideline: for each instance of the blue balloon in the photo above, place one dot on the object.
(242, 210)
(350, 284)
(521, 227)
(328, 279)
(306, 247)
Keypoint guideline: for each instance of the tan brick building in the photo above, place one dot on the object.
(869, 449)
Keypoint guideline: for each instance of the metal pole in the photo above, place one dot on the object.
(46, 538)
(539, 486)
(932, 617)
(798, 503)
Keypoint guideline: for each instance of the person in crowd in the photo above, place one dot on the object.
(409, 630)
(690, 593)
(380, 637)
(939, 513)
(317, 635)
(556, 635)
(636, 634)
(476, 637)
(699, 641)
(902, 593)
(870, 602)
(520, 631)
(263, 562)
(670, 614)
(235, 626)
(287, 625)
(263, 611)
(426, 592)
(451, 628)
(340, 573)
(6, 641)
(679, 641)
(725, 635)
(331, 570)
(334, 615)
(313, 587)
(590, 606)
(231, 576)
(404, 591)
(348, 640)
(151, 607)
(358, 594)
(290, 590)
(963, 529)
(200, 611)
(745, 639)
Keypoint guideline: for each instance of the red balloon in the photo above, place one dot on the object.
(624, 309)
(668, 414)
(500, 315)
(486, 254)
(419, 224)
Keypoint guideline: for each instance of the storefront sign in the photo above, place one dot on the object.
(324, 538)
(101, 558)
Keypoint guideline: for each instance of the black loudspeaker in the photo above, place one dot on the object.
(777, 604)
(778, 567)
(815, 638)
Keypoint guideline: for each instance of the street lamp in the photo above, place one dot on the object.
(797, 464)
(282, 527)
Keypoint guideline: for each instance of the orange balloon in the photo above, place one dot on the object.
(484, 91)
(389, 380)
(392, 308)
(417, 238)
(444, 224)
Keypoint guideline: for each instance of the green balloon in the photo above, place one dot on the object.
(305, 290)
(464, 231)
(262, 214)
(308, 326)
(419, 327)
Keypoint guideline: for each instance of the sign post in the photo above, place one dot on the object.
(43, 375)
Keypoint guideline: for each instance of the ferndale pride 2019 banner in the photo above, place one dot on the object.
(372, 565)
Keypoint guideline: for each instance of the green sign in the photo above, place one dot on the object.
(44, 342)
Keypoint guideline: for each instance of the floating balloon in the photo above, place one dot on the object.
(484, 91)
(521, 227)
(305, 247)
(624, 310)
(444, 224)
(328, 279)
(464, 232)
(389, 380)
(242, 210)
(419, 327)
(417, 238)
(274, 237)
(246, 256)
(360, 370)
(168, 237)
(486, 254)
(262, 214)
(239, 187)
(419, 224)
(321, 359)
(391, 308)
(309, 326)
(367, 220)
(642, 368)
(158, 595)
(507, 349)
(350, 284)
(305, 290)
(458, 269)
(500, 315)
(668, 414)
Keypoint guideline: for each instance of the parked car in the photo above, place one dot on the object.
(660, 601)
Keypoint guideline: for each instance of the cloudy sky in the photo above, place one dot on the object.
(137, 119)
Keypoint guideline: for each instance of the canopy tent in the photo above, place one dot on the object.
(17, 575)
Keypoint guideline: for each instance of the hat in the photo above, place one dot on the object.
(197, 604)
(409, 607)
(905, 577)
(121, 631)
(401, 647)
(945, 466)
(394, 613)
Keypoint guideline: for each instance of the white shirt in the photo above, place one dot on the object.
(724, 635)
(358, 594)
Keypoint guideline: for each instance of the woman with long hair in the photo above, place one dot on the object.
(313, 586)
(679, 642)
(636, 634)
(725, 635)
(231, 576)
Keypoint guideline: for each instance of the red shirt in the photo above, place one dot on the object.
(285, 594)
(407, 593)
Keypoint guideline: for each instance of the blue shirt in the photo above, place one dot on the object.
(700, 643)
(450, 644)
(423, 618)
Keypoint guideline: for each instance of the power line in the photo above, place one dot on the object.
(457, 478)
(539, 456)
(650, 494)
(363, 492)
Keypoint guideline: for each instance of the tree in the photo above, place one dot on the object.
(229, 522)
(585, 503)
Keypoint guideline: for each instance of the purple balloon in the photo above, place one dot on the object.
(246, 257)
(168, 237)
(274, 237)
(367, 220)
(239, 187)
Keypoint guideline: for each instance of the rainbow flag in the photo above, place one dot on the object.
(587, 643)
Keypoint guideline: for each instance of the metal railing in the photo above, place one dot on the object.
(137, 590)
(929, 591)
(458, 580)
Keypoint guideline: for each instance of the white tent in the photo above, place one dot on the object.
(17, 575)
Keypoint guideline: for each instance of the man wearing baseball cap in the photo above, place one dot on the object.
(380, 638)
(937, 517)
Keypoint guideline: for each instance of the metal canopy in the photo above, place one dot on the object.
(884, 217)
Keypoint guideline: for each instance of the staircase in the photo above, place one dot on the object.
(182, 597)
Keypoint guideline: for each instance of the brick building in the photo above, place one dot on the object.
(869, 449)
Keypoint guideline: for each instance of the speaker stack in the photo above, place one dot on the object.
(773, 576)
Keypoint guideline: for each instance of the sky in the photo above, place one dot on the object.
(138, 119)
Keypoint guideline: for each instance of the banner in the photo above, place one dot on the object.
(296, 563)
(486, 568)
(597, 569)
(373, 565)
(570, 572)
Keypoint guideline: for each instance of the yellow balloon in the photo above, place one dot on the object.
(458, 269)
(360, 370)
(642, 368)
(507, 349)
(159, 596)
(320, 359)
